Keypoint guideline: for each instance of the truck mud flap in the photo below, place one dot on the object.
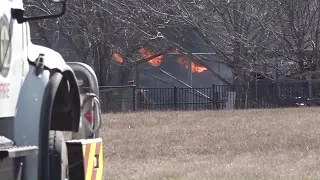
(85, 158)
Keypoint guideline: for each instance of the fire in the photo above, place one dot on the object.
(195, 68)
(117, 56)
(146, 54)
(183, 60)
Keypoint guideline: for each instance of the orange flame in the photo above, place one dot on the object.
(117, 57)
(146, 54)
(195, 68)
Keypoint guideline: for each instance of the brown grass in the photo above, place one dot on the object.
(252, 144)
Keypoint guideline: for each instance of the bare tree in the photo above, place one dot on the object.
(246, 34)
(96, 29)
(296, 25)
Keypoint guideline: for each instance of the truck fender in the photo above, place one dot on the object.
(66, 106)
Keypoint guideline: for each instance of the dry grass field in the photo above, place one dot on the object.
(252, 144)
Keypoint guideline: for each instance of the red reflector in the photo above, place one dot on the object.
(89, 116)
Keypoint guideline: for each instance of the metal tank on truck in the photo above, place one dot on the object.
(40, 98)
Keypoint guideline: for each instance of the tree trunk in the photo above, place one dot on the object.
(103, 68)
(238, 87)
(125, 92)
(301, 61)
(237, 53)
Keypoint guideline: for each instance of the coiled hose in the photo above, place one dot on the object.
(97, 121)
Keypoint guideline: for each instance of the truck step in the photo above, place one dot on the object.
(8, 150)
(18, 151)
(5, 142)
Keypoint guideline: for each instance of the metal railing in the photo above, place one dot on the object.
(216, 97)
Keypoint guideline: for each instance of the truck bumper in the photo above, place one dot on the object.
(85, 158)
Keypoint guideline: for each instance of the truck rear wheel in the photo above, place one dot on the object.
(58, 156)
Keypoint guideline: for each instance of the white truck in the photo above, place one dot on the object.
(40, 98)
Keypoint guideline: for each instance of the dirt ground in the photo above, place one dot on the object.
(252, 144)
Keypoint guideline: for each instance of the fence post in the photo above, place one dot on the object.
(175, 97)
(310, 102)
(279, 94)
(134, 98)
(213, 96)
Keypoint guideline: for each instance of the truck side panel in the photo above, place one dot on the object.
(13, 61)
(27, 120)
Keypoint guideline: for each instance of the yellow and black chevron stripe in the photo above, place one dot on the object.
(93, 160)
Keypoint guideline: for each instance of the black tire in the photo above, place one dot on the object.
(58, 156)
